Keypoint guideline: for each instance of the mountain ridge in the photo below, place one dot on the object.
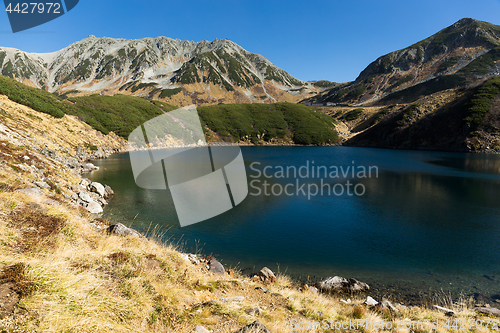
(469, 50)
(207, 72)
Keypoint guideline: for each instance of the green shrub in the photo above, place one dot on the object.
(352, 115)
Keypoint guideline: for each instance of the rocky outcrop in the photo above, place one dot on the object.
(339, 284)
(91, 196)
(121, 230)
(265, 275)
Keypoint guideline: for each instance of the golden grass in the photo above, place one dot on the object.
(80, 279)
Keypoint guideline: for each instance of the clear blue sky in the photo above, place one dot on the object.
(312, 40)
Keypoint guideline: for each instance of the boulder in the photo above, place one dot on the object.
(97, 188)
(312, 289)
(94, 208)
(255, 327)
(371, 301)
(339, 284)
(216, 267)
(388, 305)
(265, 275)
(121, 230)
(108, 192)
(85, 196)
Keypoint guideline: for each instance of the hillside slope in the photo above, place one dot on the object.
(277, 123)
(456, 56)
(181, 72)
(61, 272)
(466, 120)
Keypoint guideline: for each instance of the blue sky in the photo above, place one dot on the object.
(312, 40)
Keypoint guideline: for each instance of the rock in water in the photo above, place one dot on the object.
(98, 188)
(265, 275)
(339, 284)
(255, 327)
(108, 192)
(216, 267)
(121, 230)
(94, 208)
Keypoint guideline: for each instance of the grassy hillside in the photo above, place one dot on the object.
(121, 114)
(268, 123)
(456, 120)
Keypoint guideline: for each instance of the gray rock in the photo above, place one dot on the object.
(216, 267)
(489, 311)
(102, 202)
(370, 301)
(42, 185)
(255, 327)
(201, 329)
(94, 208)
(108, 192)
(265, 275)
(446, 311)
(34, 192)
(85, 196)
(97, 188)
(339, 284)
(74, 197)
(121, 230)
(388, 305)
(90, 166)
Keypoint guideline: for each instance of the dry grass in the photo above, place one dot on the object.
(74, 278)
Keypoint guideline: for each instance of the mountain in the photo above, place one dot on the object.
(180, 72)
(464, 53)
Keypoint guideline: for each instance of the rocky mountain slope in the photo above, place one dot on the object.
(181, 72)
(461, 54)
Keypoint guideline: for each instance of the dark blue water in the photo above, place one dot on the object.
(426, 221)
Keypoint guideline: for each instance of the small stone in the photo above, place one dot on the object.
(85, 196)
(201, 329)
(370, 301)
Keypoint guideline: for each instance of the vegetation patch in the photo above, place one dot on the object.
(17, 274)
(37, 228)
(352, 115)
(265, 122)
(169, 92)
(482, 101)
